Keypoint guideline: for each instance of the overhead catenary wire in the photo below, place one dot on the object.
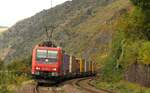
(51, 27)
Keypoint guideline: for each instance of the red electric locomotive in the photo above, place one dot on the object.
(46, 62)
(51, 64)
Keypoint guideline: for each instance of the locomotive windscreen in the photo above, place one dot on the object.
(47, 56)
(41, 54)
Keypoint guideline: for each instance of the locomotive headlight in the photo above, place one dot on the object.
(37, 68)
(33, 72)
(54, 69)
(46, 60)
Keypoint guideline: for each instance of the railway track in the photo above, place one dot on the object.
(35, 89)
(83, 85)
(43, 89)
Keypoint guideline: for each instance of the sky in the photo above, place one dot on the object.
(12, 11)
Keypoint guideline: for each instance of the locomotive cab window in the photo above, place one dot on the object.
(47, 56)
(41, 54)
(52, 56)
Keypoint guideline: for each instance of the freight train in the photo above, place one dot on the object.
(51, 63)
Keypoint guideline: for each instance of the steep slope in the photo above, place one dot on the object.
(84, 28)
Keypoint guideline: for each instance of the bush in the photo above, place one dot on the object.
(110, 72)
(144, 53)
(144, 4)
(14, 74)
(22, 65)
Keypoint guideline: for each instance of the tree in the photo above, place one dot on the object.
(144, 4)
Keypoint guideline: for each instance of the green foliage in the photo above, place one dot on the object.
(135, 52)
(110, 72)
(117, 44)
(20, 65)
(14, 74)
(132, 24)
(122, 87)
(144, 4)
(3, 89)
(136, 32)
(130, 44)
(144, 53)
(131, 52)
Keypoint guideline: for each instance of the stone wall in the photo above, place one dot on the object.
(138, 73)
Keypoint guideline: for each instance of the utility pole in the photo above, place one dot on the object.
(51, 3)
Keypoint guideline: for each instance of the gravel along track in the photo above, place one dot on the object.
(48, 89)
(38, 89)
(27, 89)
(41, 89)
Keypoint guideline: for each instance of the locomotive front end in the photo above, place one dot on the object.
(46, 62)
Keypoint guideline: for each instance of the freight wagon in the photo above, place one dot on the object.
(53, 64)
